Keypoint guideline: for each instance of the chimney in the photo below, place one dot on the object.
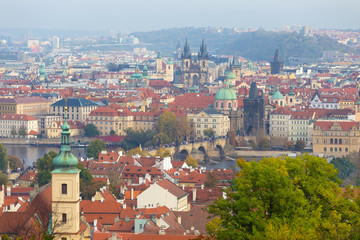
(93, 199)
(202, 186)
(179, 219)
(116, 219)
(132, 194)
(183, 187)
(102, 199)
(95, 225)
(8, 191)
(124, 206)
(194, 194)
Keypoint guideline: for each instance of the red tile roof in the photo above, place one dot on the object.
(17, 117)
(345, 125)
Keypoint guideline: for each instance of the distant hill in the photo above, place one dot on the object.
(258, 45)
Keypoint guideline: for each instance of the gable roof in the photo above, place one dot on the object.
(172, 188)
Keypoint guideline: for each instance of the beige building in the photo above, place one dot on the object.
(78, 108)
(210, 118)
(111, 118)
(279, 122)
(54, 131)
(336, 137)
(10, 124)
(25, 105)
(144, 121)
(301, 127)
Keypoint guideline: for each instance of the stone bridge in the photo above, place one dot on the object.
(201, 150)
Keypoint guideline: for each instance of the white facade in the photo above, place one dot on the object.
(156, 196)
(9, 122)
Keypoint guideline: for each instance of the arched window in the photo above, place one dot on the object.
(222, 105)
(229, 105)
(340, 149)
(346, 149)
(340, 141)
(335, 149)
(331, 149)
(331, 141)
(324, 149)
(336, 141)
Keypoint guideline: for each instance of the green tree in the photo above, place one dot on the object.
(190, 161)
(3, 158)
(209, 132)
(13, 132)
(15, 162)
(211, 180)
(45, 166)
(90, 189)
(3, 179)
(299, 145)
(91, 130)
(170, 128)
(263, 144)
(344, 166)
(286, 198)
(94, 148)
(136, 138)
(112, 132)
(289, 145)
(22, 131)
(163, 152)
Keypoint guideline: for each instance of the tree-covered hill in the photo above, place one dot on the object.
(258, 45)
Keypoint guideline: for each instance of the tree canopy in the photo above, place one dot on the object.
(344, 166)
(94, 148)
(135, 138)
(3, 158)
(45, 166)
(15, 162)
(170, 128)
(286, 198)
(209, 132)
(91, 130)
(190, 161)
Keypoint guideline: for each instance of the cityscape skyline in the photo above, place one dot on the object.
(153, 15)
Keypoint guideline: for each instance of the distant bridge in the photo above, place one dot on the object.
(200, 150)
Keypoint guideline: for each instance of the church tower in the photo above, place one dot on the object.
(159, 68)
(203, 56)
(65, 190)
(357, 109)
(169, 71)
(277, 65)
(186, 57)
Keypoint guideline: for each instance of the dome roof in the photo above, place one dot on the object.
(226, 94)
(277, 95)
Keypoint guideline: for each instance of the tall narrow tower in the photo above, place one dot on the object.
(186, 57)
(277, 65)
(203, 56)
(159, 68)
(357, 109)
(65, 189)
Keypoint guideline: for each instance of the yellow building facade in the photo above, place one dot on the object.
(336, 137)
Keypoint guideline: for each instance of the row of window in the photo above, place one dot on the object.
(336, 149)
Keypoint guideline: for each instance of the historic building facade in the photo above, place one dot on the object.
(194, 73)
(336, 137)
(254, 113)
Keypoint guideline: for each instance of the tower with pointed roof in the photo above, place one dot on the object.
(235, 67)
(254, 113)
(194, 71)
(65, 190)
(357, 108)
(159, 68)
(276, 65)
(203, 57)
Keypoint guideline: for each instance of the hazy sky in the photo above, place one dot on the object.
(144, 15)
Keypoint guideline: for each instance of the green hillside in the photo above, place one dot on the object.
(259, 45)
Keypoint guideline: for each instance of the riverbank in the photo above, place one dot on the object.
(40, 141)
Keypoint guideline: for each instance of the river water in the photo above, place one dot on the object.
(30, 154)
